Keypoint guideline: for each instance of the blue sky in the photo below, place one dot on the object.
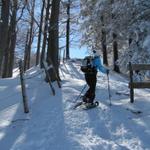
(75, 50)
(78, 52)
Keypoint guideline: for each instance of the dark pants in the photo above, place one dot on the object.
(91, 82)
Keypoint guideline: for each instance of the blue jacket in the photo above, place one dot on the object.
(97, 63)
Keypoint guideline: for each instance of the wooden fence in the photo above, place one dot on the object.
(134, 84)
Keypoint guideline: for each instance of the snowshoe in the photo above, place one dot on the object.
(86, 106)
(91, 105)
(77, 105)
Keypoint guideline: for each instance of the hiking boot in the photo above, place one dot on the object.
(84, 98)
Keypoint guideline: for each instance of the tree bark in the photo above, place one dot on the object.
(26, 52)
(53, 40)
(40, 34)
(68, 31)
(13, 39)
(45, 32)
(30, 35)
(115, 46)
(115, 52)
(4, 30)
(103, 42)
(6, 56)
(11, 42)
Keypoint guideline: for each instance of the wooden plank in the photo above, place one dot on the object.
(139, 85)
(140, 66)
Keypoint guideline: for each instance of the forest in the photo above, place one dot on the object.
(48, 100)
(44, 30)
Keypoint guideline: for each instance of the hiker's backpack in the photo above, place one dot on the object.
(87, 65)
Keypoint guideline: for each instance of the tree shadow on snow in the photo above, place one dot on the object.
(72, 70)
(42, 127)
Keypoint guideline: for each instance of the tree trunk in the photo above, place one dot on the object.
(9, 57)
(30, 35)
(53, 40)
(13, 39)
(12, 55)
(4, 29)
(104, 46)
(26, 51)
(115, 46)
(68, 31)
(6, 55)
(115, 52)
(40, 34)
(45, 32)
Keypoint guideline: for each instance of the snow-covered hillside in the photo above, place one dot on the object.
(52, 124)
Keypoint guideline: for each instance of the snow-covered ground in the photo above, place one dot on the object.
(52, 124)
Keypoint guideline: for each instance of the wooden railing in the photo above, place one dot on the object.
(134, 84)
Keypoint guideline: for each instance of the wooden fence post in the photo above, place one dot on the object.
(25, 103)
(137, 84)
(57, 78)
(131, 83)
(49, 79)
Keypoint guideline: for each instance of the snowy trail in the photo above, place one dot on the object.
(53, 125)
(105, 127)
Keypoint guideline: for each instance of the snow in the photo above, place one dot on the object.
(52, 124)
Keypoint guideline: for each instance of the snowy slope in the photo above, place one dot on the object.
(53, 125)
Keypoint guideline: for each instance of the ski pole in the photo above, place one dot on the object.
(109, 89)
(80, 93)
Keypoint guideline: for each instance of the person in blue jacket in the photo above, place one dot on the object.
(91, 79)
